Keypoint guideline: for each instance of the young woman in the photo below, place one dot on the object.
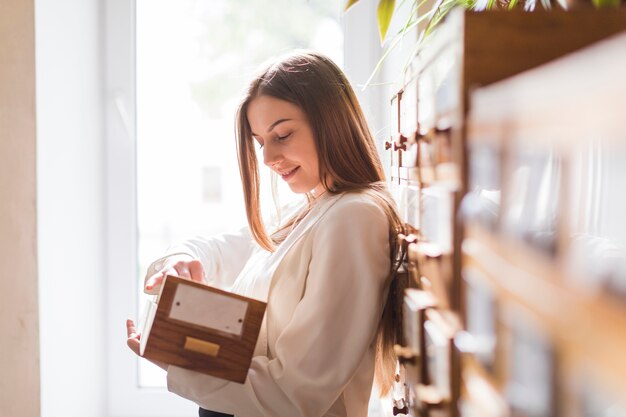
(326, 272)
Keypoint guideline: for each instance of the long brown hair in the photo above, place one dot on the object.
(347, 155)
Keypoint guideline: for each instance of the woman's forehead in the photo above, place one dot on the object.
(264, 111)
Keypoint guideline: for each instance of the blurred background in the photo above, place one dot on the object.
(502, 140)
(135, 104)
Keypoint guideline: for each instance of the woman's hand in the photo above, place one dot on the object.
(183, 266)
(134, 338)
(134, 342)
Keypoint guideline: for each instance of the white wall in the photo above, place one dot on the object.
(70, 210)
(19, 331)
(363, 51)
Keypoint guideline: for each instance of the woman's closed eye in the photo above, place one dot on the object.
(282, 138)
(277, 138)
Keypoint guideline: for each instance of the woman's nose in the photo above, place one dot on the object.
(271, 155)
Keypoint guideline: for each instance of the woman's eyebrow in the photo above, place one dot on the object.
(273, 125)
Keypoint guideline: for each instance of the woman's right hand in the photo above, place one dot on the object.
(183, 266)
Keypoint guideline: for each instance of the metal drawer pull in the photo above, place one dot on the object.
(201, 346)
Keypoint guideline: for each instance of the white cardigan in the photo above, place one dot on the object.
(325, 287)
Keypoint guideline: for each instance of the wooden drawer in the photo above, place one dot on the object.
(554, 140)
(428, 160)
(438, 395)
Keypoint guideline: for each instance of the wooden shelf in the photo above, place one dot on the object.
(588, 330)
(541, 108)
(427, 159)
(481, 394)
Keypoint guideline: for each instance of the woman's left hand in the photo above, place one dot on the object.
(134, 341)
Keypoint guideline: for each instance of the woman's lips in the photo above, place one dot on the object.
(287, 175)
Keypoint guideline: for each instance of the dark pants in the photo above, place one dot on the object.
(206, 413)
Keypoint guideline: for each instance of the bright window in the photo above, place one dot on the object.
(194, 58)
(175, 72)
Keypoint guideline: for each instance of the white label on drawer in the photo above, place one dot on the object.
(208, 309)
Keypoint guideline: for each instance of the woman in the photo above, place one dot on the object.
(326, 272)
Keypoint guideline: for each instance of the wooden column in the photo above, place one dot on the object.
(19, 321)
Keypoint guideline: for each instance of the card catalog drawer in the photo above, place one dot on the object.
(202, 328)
(409, 109)
(482, 202)
(479, 397)
(437, 216)
(435, 270)
(415, 303)
(446, 70)
(530, 385)
(590, 397)
(481, 318)
(412, 354)
(391, 151)
(532, 197)
(438, 397)
(426, 92)
(596, 246)
(407, 197)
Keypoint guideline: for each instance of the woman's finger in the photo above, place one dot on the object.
(182, 269)
(131, 331)
(196, 270)
(155, 280)
(133, 340)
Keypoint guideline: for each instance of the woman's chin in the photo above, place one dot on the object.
(299, 188)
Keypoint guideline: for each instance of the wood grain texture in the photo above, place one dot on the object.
(167, 338)
(19, 309)
(487, 47)
(581, 325)
(471, 50)
(559, 100)
(541, 110)
(499, 44)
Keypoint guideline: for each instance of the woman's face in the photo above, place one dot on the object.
(285, 136)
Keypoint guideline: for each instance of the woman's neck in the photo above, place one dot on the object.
(316, 192)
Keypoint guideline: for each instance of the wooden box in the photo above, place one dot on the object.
(202, 328)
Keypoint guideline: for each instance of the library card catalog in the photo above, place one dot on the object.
(208, 309)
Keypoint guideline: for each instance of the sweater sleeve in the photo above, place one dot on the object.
(331, 330)
(223, 256)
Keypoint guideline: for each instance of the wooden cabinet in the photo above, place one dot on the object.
(430, 157)
(552, 247)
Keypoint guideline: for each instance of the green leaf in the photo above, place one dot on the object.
(385, 12)
(395, 41)
(349, 4)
